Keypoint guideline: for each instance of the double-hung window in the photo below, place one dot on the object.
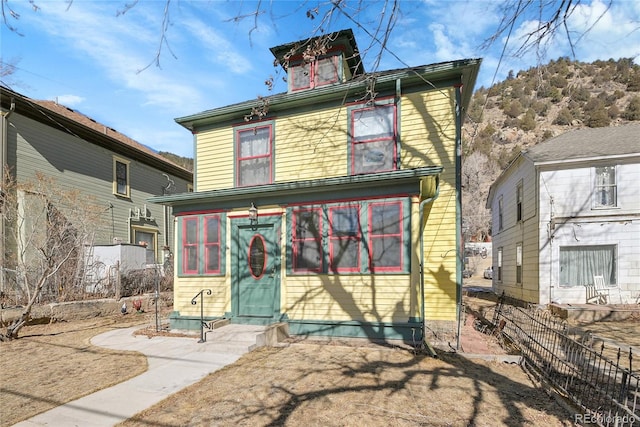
(190, 234)
(519, 202)
(519, 263)
(307, 240)
(344, 238)
(201, 244)
(373, 139)
(500, 213)
(318, 72)
(121, 177)
(212, 244)
(605, 194)
(499, 261)
(385, 236)
(254, 155)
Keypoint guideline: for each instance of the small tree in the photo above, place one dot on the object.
(47, 230)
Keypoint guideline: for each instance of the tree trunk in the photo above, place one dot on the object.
(14, 328)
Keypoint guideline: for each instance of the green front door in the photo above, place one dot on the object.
(256, 276)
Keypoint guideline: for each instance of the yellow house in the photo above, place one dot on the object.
(334, 207)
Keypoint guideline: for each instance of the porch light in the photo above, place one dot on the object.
(253, 214)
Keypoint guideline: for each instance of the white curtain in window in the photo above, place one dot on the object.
(578, 264)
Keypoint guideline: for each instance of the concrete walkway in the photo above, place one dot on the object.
(174, 363)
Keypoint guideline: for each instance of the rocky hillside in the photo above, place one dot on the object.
(532, 106)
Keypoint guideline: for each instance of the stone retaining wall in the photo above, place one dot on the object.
(78, 310)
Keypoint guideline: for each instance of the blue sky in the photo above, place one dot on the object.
(89, 58)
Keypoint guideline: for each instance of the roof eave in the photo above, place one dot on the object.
(336, 184)
(466, 69)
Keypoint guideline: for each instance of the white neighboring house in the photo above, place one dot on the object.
(566, 210)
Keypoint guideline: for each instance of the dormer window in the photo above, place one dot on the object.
(320, 61)
(320, 72)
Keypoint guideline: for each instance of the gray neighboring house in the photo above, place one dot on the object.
(78, 152)
(567, 210)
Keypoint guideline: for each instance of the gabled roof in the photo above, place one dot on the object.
(587, 143)
(75, 123)
(582, 145)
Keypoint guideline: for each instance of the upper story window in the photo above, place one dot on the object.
(500, 213)
(254, 155)
(121, 177)
(519, 202)
(373, 138)
(321, 71)
(605, 194)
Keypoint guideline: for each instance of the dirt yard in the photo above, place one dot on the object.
(303, 382)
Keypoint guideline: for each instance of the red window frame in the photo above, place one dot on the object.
(189, 245)
(357, 238)
(296, 240)
(240, 159)
(355, 140)
(209, 246)
(373, 236)
(313, 73)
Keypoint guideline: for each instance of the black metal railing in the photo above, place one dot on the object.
(194, 301)
(596, 378)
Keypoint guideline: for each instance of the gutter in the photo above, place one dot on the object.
(423, 312)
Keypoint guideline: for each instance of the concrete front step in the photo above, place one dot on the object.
(239, 338)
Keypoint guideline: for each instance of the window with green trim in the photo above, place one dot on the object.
(370, 236)
(373, 139)
(201, 238)
(254, 155)
(344, 238)
(307, 240)
(385, 236)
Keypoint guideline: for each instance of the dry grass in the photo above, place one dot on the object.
(55, 363)
(307, 383)
(316, 384)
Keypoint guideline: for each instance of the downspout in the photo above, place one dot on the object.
(459, 249)
(423, 310)
(4, 150)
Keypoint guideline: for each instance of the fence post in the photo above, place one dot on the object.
(117, 280)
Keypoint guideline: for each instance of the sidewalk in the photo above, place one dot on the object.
(174, 363)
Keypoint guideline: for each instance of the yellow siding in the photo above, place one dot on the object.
(215, 304)
(368, 298)
(312, 145)
(440, 256)
(214, 154)
(428, 129)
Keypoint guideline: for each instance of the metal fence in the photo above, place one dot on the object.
(600, 380)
